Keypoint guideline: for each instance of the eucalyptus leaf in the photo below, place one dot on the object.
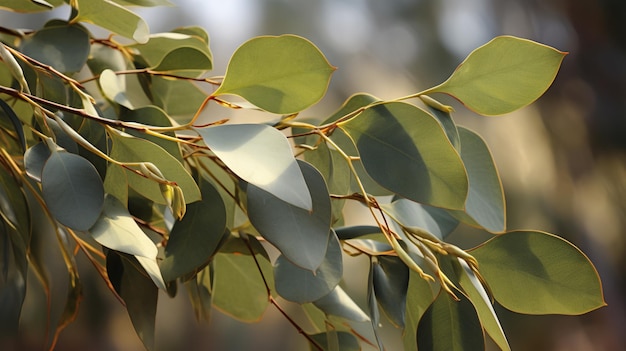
(420, 296)
(503, 75)
(15, 122)
(431, 219)
(300, 235)
(405, 150)
(284, 74)
(539, 273)
(72, 190)
(175, 51)
(113, 17)
(261, 156)
(345, 341)
(300, 285)
(391, 281)
(63, 47)
(449, 325)
(339, 303)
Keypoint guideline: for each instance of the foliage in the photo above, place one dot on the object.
(104, 137)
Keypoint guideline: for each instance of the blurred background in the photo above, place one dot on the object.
(562, 160)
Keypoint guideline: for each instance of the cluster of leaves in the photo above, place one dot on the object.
(102, 137)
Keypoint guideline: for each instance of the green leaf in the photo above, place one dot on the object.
(391, 280)
(404, 149)
(29, 6)
(145, 3)
(34, 160)
(458, 270)
(284, 74)
(300, 235)
(413, 215)
(113, 17)
(539, 273)
(153, 116)
(420, 296)
(72, 190)
(338, 303)
(301, 285)
(262, 156)
(345, 342)
(120, 89)
(485, 205)
(450, 325)
(126, 148)
(238, 287)
(138, 293)
(199, 288)
(179, 98)
(64, 47)
(194, 239)
(448, 125)
(503, 75)
(15, 122)
(175, 52)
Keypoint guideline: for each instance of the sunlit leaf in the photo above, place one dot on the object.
(503, 75)
(72, 189)
(300, 285)
(146, 3)
(113, 17)
(153, 116)
(345, 342)
(199, 289)
(538, 273)
(420, 295)
(431, 219)
(405, 150)
(194, 239)
(126, 148)
(261, 156)
(238, 287)
(300, 235)
(284, 74)
(179, 98)
(391, 280)
(339, 303)
(485, 206)
(64, 47)
(29, 6)
(449, 325)
(119, 90)
(175, 51)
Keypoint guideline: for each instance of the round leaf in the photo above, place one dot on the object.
(72, 190)
(284, 74)
(262, 156)
(63, 47)
(503, 75)
(299, 234)
(539, 273)
(300, 285)
(405, 150)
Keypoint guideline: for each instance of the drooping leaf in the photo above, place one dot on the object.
(137, 291)
(300, 235)
(431, 219)
(13, 268)
(179, 98)
(352, 232)
(503, 75)
(284, 74)
(420, 296)
(300, 285)
(175, 52)
(391, 280)
(338, 303)
(261, 156)
(120, 89)
(64, 47)
(448, 125)
(113, 17)
(458, 270)
(199, 289)
(194, 239)
(344, 341)
(29, 6)
(126, 148)
(485, 206)
(405, 150)
(238, 287)
(72, 189)
(539, 273)
(449, 325)
(15, 122)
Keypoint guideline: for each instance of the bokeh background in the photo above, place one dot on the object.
(562, 160)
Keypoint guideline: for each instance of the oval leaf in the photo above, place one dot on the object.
(539, 273)
(485, 206)
(113, 17)
(72, 190)
(64, 47)
(338, 303)
(391, 280)
(194, 239)
(300, 235)
(284, 74)
(503, 75)
(431, 219)
(175, 51)
(262, 156)
(450, 325)
(341, 340)
(405, 150)
(300, 285)
(238, 287)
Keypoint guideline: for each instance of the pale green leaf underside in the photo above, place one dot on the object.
(503, 75)
(284, 74)
(262, 156)
(538, 273)
(175, 51)
(113, 17)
